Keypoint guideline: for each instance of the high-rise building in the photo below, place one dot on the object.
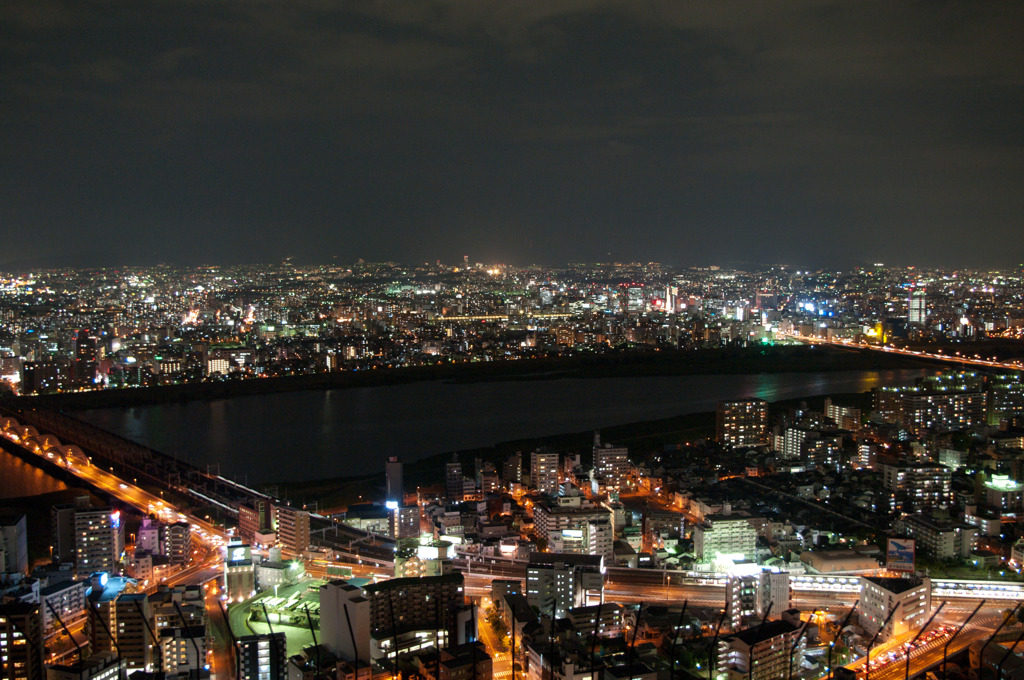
(917, 307)
(99, 540)
(262, 657)
(563, 581)
(410, 611)
(454, 483)
(292, 529)
(239, 572)
(512, 470)
(13, 544)
(914, 487)
(405, 521)
(62, 532)
(394, 489)
(133, 630)
(544, 472)
(724, 534)
(178, 542)
(611, 464)
(742, 422)
(345, 621)
(21, 641)
(749, 595)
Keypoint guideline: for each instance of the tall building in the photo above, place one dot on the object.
(410, 611)
(178, 542)
(544, 472)
(394, 489)
(611, 464)
(239, 573)
(345, 621)
(512, 470)
(453, 480)
(405, 521)
(255, 519)
(292, 529)
(262, 657)
(99, 540)
(914, 487)
(749, 595)
(563, 581)
(917, 308)
(911, 598)
(21, 641)
(62, 532)
(133, 630)
(742, 422)
(13, 544)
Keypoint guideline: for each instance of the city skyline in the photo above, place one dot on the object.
(817, 133)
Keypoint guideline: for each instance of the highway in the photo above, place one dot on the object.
(955, 358)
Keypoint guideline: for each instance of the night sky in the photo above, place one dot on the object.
(684, 131)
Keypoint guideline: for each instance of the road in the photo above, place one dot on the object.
(955, 358)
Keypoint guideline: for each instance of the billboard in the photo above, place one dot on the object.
(899, 555)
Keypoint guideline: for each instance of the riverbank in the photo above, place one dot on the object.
(726, 361)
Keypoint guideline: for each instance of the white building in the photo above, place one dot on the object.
(910, 600)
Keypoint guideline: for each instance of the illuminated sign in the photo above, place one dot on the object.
(900, 555)
(391, 505)
(115, 519)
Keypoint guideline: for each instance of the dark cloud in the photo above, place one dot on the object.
(537, 130)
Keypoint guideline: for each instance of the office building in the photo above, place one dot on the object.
(394, 491)
(917, 308)
(262, 657)
(21, 641)
(563, 581)
(910, 600)
(292, 529)
(742, 422)
(544, 472)
(99, 540)
(512, 470)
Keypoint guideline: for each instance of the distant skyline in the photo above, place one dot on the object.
(815, 133)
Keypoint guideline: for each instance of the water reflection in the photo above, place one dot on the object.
(306, 435)
(21, 480)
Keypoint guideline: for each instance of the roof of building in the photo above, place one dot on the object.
(751, 636)
(547, 559)
(894, 584)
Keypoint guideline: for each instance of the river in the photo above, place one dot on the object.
(292, 436)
